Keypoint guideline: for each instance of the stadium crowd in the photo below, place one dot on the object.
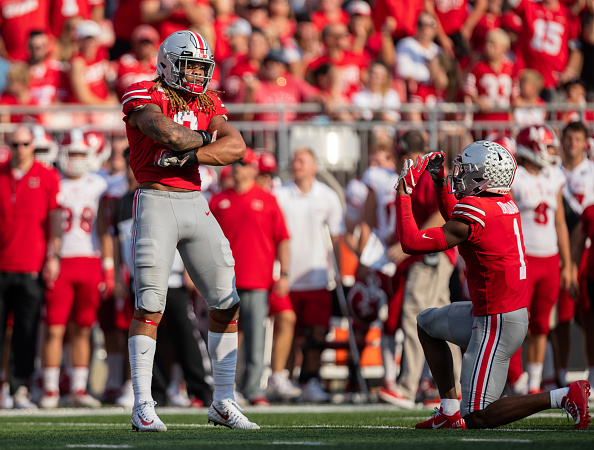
(509, 58)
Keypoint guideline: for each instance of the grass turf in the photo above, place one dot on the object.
(339, 427)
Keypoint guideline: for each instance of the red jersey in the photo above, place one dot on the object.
(254, 225)
(177, 20)
(320, 20)
(493, 87)
(17, 19)
(486, 23)
(95, 74)
(62, 10)
(144, 151)
(9, 99)
(222, 48)
(126, 17)
(131, 70)
(546, 38)
(451, 14)
(350, 65)
(406, 17)
(588, 227)
(44, 82)
(24, 208)
(494, 254)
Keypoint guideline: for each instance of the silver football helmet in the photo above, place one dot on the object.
(176, 51)
(483, 166)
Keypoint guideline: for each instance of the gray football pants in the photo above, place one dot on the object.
(164, 221)
(490, 342)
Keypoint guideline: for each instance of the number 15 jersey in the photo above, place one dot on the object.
(494, 254)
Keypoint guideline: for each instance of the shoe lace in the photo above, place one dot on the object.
(146, 408)
(572, 410)
(234, 411)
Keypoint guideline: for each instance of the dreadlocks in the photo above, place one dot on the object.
(178, 103)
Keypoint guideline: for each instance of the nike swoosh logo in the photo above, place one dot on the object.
(438, 425)
(144, 352)
(144, 422)
(223, 416)
(208, 213)
(426, 237)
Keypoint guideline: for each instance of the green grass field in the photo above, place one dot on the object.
(302, 426)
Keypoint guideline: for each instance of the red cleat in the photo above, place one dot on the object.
(441, 421)
(575, 403)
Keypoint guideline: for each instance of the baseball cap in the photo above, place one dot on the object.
(359, 7)
(240, 27)
(266, 162)
(145, 33)
(510, 21)
(88, 28)
(276, 55)
(250, 158)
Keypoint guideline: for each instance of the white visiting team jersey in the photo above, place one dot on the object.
(382, 181)
(306, 216)
(579, 188)
(80, 201)
(537, 200)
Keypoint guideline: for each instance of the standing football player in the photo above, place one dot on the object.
(174, 123)
(484, 221)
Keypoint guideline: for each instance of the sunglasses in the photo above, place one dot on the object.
(19, 144)
(427, 23)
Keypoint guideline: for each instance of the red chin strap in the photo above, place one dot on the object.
(193, 88)
(222, 323)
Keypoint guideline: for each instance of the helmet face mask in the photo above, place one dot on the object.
(177, 58)
(482, 166)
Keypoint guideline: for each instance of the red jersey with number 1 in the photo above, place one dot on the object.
(494, 254)
(144, 151)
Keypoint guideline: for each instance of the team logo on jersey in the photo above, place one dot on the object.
(224, 204)
(257, 205)
(34, 182)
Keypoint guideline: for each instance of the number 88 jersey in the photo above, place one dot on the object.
(80, 202)
(537, 199)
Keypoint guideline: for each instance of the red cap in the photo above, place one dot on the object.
(145, 33)
(250, 158)
(266, 162)
(510, 21)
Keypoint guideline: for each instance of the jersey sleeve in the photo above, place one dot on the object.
(469, 210)
(219, 107)
(136, 96)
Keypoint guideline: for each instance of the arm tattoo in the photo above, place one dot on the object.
(165, 131)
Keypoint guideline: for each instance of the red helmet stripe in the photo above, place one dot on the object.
(201, 42)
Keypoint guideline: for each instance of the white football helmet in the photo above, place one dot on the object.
(77, 156)
(483, 166)
(46, 149)
(174, 54)
(533, 145)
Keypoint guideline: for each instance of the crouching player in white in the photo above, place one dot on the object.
(171, 124)
(485, 223)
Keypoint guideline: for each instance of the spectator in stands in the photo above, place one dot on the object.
(171, 16)
(575, 92)
(587, 40)
(140, 64)
(405, 19)
(224, 19)
(89, 68)
(308, 43)
(455, 23)
(281, 23)
(18, 20)
(31, 223)
(335, 38)
(45, 72)
(548, 42)
(254, 224)
(489, 83)
(126, 17)
(275, 84)
(511, 23)
(238, 33)
(247, 67)
(378, 94)
(528, 106)
(63, 10)
(491, 19)
(329, 12)
(327, 79)
(257, 14)
(18, 93)
(65, 46)
(366, 40)
(309, 261)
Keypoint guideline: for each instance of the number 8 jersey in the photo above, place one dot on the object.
(537, 199)
(494, 254)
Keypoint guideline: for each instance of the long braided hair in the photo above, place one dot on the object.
(178, 103)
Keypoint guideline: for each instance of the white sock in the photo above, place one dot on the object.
(534, 375)
(222, 348)
(450, 406)
(388, 344)
(51, 379)
(115, 370)
(79, 378)
(556, 397)
(142, 353)
(563, 377)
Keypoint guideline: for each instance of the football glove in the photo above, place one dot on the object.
(435, 166)
(207, 137)
(411, 172)
(167, 159)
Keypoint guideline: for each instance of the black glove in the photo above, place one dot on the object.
(206, 137)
